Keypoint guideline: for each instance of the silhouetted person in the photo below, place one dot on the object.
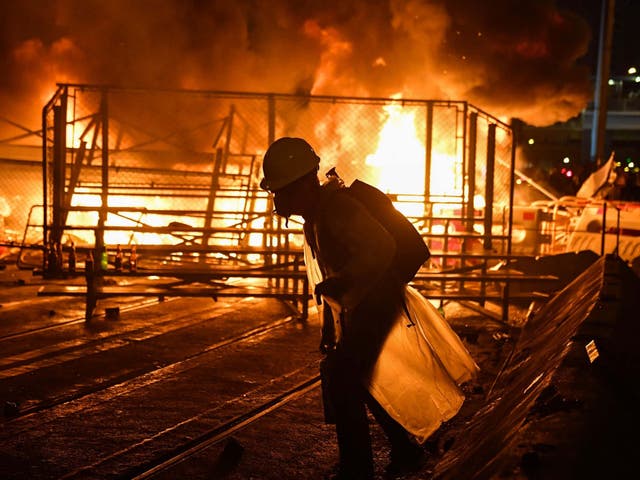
(354, 254)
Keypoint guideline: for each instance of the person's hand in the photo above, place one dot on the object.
(332, 287)
(327, 346)
(328, 340)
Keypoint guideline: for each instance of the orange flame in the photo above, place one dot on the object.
(400, 159)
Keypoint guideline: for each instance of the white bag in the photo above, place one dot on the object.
(419, 368)
(422, 362)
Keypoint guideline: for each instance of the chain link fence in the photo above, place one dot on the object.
(20, 185)
(176, 173)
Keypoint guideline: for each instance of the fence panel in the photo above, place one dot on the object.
(178, 171)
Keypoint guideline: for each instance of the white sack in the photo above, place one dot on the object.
(421, 364)
(418, 371)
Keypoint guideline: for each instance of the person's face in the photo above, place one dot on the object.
(295, 198)
(288, 200)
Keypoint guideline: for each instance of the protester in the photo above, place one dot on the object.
(378, 335)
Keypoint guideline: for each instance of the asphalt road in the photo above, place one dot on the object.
(192, 388)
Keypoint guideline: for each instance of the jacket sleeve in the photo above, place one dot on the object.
(353, 246)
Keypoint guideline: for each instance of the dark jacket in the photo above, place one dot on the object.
(352, 246)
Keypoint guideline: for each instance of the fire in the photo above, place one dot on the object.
(396, 164)
(147, 213)
(123, 237)
(400, 160)
(445, 175)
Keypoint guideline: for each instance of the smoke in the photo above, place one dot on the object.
(510, 58)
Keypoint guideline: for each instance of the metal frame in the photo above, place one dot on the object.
(62, 166)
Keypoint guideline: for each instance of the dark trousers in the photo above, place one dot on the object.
(345, 401)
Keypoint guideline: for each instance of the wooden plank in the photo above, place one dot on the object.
(263, 272)
(62, 290)
(142, 291)
(206, 274)
(488, 277)
(437, 295)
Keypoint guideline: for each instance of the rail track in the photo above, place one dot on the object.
(135, 397)
(250, 412)
(225, 431)
(42, 358)
(132, 304)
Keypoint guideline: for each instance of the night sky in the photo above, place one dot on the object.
(626, 50)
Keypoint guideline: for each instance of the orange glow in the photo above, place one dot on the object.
(445, 175)
(400, 160)
(399, 157)
(145, 217)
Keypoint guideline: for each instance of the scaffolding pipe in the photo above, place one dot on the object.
(471, 170)
(488, 193)
(428, 143)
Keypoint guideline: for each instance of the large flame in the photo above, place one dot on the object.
(400, 155)
(400, 161)
(146, 212)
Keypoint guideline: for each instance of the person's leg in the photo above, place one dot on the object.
(406, 454)
(350, 415)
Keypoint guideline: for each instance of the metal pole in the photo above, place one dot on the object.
(104, 195)
(268, 240)
(489, 184)
(471, 172)
(428, 157)
(45, 190)
(604, 227)
(599, 123)
(515, 136)
(59, 166)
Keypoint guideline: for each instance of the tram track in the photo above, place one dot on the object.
(60, 351)
(225, 431)
(122, 384)
(125, 430)
(77, 320)
(251, 411)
